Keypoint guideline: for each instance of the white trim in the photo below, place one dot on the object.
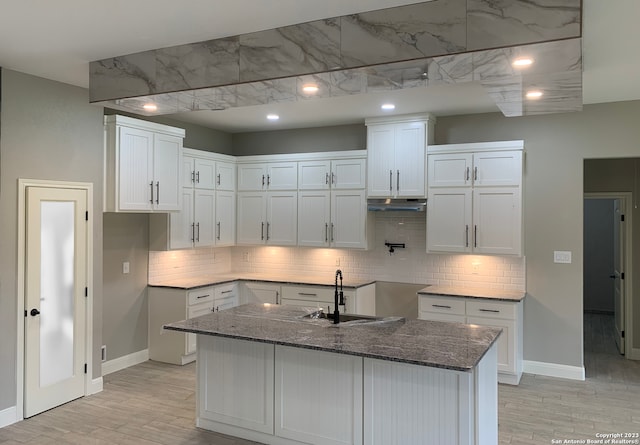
(196, 153)
(95, 387)
(131, 122)
(553, 370)
(8, 416)
(422, 117)
(125, 361)
(626, 198)
(22, 187)
(293, 157)
(476, 146)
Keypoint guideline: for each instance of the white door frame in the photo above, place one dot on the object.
(90, 387)
(627, 199)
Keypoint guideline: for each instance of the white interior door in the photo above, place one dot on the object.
(618, 261)
(55, 283)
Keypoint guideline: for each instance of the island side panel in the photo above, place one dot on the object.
(235, 384)
(318, 396)
(486, 398)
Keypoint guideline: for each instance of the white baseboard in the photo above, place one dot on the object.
(95, 386)
(633, 354)
(8, 416)
(124, 362)
(553, 370)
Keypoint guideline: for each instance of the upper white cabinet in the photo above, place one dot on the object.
(143, 165)
(332, 174)
(267, 218)
(475, 198)
(268, 176)
(396, 151)
(208, 212)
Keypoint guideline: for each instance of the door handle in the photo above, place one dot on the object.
(268, 231)
(326, 232)
(262, 181)
(398, 182)
(467, 175)
(151, 185)
(268, 180)
(475, 236)
(391, 182)
(326, 179)
(332, 232)
(466, 235)
(262, 232)
(198, 177)
(219, 179)
(193, 232)
(218, 231)
(475, 173)
(198, 232)
(34, 312)
(193, 176)
(158, 192)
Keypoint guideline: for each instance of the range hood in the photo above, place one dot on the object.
(410, 205)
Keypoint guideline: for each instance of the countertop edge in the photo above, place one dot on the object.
(462, 294)
(216, 282)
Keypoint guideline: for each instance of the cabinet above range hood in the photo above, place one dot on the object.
(407, 205)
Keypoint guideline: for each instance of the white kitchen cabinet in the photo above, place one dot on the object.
(332, 174)
(357, 301)
(267, 218)
(225, 227)
(475, 198)
(336, 218)
(168, 305)
(143, 165)
(396, 155)
(225, 176)
(503, 314)
(198, 172)
(260, 292)
(268, 176)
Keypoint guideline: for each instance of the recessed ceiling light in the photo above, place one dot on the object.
(522, 62)
(534, 94)
(150, 107)
(273, 117)
(388, 107)
(310, 88)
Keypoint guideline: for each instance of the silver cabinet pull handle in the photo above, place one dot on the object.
(268, 224)
(475, 235)
(277, 297)
(151, 185)
(268, 180)
(475, 174)
(326, 178)
(193, 176)
(333, 178)
(262, 232)
(198, 232)
(332, 227)
(442, 306)
(226, 291)
(391, 181)
(218, 237)
(198, 177)
(219, 179)
(158, 192)
(193, 232)
(326, 232)
(262, 180)
(489, 310)
(398, 182)
(307, 294)
(203, 296)
(467, 175)
(466, 235)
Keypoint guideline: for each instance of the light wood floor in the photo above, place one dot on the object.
(154, 403)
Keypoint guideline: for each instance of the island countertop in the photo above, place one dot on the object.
(436, 344)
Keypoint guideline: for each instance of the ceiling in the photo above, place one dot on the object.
(60, 40)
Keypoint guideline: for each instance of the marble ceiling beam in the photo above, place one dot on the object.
(404, 33)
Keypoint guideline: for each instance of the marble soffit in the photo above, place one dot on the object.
(413, 46)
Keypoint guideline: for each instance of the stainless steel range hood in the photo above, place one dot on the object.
(410, 205)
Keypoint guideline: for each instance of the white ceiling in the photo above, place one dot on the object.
(58, 39)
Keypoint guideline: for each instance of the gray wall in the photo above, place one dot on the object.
(125, 315)
(556, 146)
(598, 255)
(305, 140)
(49, 131)
(197, 137)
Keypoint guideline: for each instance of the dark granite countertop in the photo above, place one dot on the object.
(446, 345)
(474, 292)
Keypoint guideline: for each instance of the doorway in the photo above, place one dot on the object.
(606, 236)
(54, 298)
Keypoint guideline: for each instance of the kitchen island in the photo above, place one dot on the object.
(276, 375)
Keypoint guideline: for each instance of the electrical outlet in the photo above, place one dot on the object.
(245, 257)
(562, 257)
(475, 268)
(338, 261)
(125, 267)
(103, 353)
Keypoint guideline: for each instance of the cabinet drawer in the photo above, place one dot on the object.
(442, 305)
(225, 291)
(202, 295)
(439, 316)
(491, 309)
(308, 293)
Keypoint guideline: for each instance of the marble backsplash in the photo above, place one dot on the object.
(409, 265)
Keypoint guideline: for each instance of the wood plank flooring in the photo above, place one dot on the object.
(154, 404)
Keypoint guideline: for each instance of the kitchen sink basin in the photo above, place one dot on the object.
(343, 317)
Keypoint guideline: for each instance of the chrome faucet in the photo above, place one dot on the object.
(338, 298)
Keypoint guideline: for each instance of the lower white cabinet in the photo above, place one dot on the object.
(168, 305)
(357, 301)
(492, 313)
(260, 292)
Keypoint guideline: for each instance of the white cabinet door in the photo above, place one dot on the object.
(505, 343)
(251, 212)
(410, 152)
(204, 217)
(204, 174)
(225, 218)
(180, 229)
(348, 174)
(225, 176)
(282, 218)
(192, 312)
(188, 171)
(314, 218)
(497, 168)
(252, 177)
(314, 175)
(497, 220)
(282, 176)
(166, 171)
(348, 219)
(135, 169)
(450, 170)
(381, 158)
(449, 219)
(318, 417)
(260, 292)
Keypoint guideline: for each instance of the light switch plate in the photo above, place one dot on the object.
(125, 267)
(562, 256)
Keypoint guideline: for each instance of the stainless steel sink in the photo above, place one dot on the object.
(343, 317)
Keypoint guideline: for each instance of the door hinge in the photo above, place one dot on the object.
(85, 368)
(86, 291)
(622, 218)
(622, 276)
(86, 216)
(25, 312)
(622, 334)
